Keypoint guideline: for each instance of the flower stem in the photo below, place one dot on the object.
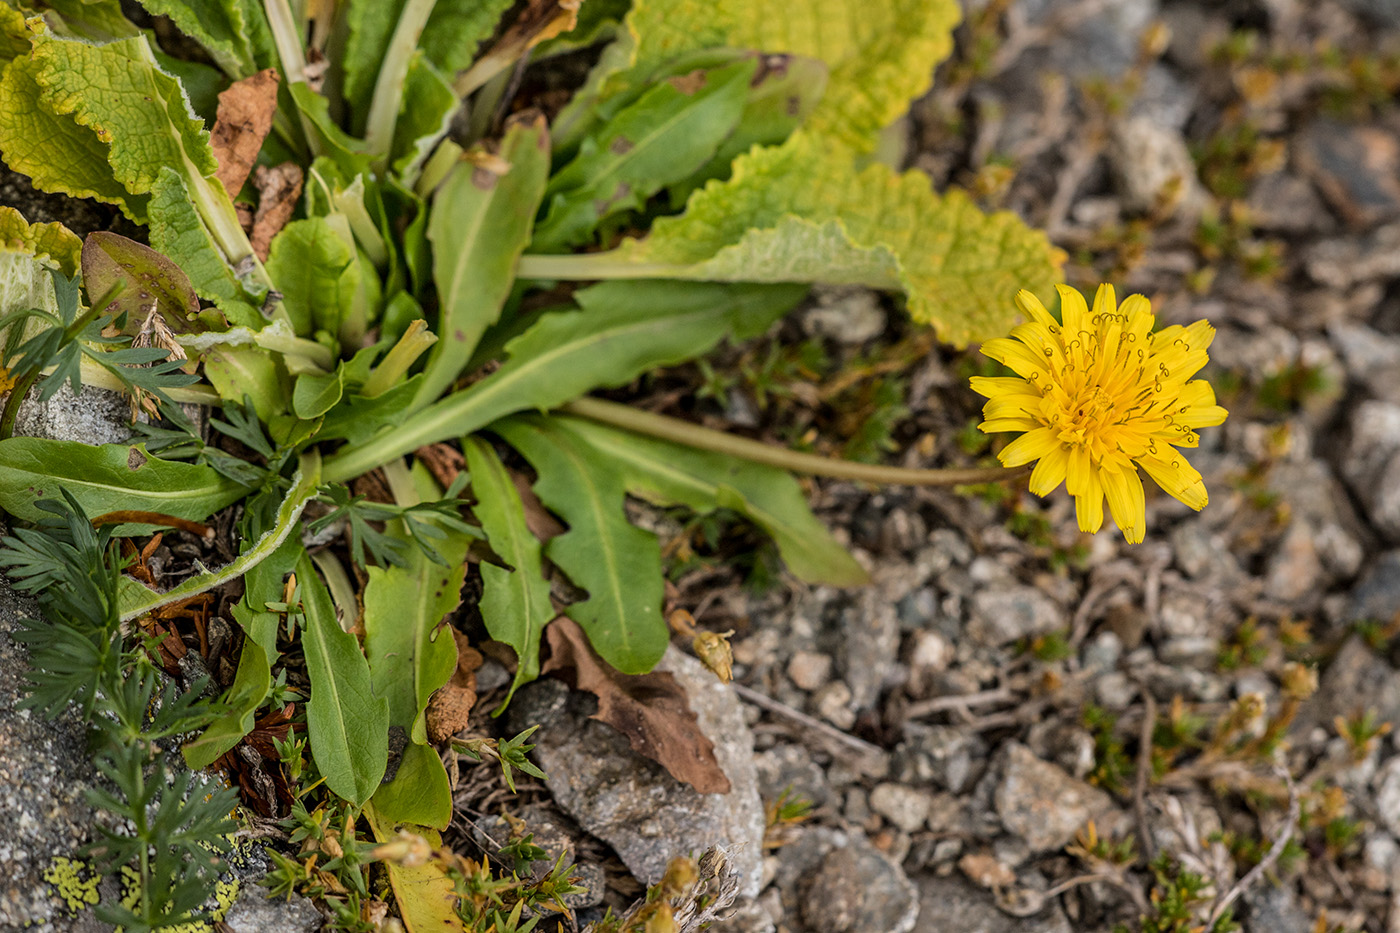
(692, 435)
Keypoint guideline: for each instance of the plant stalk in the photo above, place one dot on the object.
(606, 265)
(388, 88)
(693, 435)
(287, 37)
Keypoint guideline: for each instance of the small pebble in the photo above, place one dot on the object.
(809, 669)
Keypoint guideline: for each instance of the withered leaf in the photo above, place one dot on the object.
(245, 116)
(450, 709)
(650, 709)
(279, 188)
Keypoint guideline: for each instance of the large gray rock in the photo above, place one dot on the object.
(631, 802)
(95, 416)
(44, 771)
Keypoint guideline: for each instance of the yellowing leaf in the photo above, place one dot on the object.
(425, 895)
(798, 212)
(881, 55)
(52, 244)
(53, 150)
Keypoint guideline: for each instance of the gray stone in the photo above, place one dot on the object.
(791, 768)
(1371, 356)
(870, 634)
(941, 755)
(1371, 464)
(952, 904)
(856, 889)
(808, 670)
(44, 772)
(1356, 168)
(1376, 597)
(900, 804)
(1043, 804)
(1281, 202)
(1345, 261)
(94, 417)
(255, 912)
(849, 315)
(1275, 909)
(631, 802)
(1001, 615)
(1354, 681)
(1154, 169)
(1387, 787)
(1295, 569)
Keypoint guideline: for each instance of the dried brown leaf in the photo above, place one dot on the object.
(650, 709)
(245, 116)
(279, 188)
(450, 709)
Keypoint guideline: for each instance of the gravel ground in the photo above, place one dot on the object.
(1005, 682)
(1238, 161)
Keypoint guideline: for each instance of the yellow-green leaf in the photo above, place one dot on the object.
(799, 212)
(55, 152)
(425, 896)
(881, 55)
(49, 244)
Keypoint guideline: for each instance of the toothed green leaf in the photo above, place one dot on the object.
(881, 55)
(799, 212)
(515, 603)
(618, 563)
(233, 32)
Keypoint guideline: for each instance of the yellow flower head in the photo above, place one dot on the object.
(1097, 396)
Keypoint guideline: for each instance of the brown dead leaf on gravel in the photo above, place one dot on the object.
(650, 709)
(245, 116)
(279, 188)
(450, 708)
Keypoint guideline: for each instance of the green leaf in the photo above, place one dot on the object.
(618, 563)
(420, 792)
(238, 372)
(233, 32)
(515, 602)
(348, 725)
(344, 150)
(799, 212)
(117, 92)
(670, 132)
(243, 698)
(881, 55)
(52, 245)
(411, 653)
(178, 233)
(449, 40)
(424, 895)
(782, 95)
(356, 418)
(269, 547)
(315, 393)
(109, 478)
(316, 273)
(93, 20)
(151, 280)
(424, 116)
(478, 226)
(624, 330)
(672, 474)
(56, 153)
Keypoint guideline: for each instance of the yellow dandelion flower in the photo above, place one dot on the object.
(1098, 395)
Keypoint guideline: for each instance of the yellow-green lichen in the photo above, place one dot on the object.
(72, 883)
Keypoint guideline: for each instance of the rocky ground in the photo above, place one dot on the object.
(1004, 681)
